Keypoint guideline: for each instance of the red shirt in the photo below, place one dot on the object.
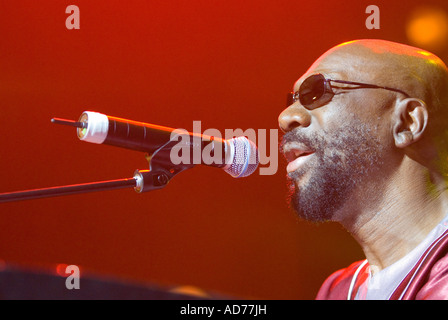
(428, 279)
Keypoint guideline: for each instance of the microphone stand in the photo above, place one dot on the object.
(161, 171)
(66, 190)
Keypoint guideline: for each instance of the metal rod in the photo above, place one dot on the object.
(67, 190)
(69, 123)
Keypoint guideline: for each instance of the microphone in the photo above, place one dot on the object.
(238, 156)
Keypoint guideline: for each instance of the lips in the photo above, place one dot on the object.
(296, 155)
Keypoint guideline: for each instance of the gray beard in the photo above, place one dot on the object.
(341, 162)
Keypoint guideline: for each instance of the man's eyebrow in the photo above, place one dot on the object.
(296, 86)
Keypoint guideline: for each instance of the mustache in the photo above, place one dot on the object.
(298, 136)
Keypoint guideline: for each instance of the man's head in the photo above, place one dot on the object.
(343, 145)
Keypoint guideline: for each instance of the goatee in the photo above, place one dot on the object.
(341, 161)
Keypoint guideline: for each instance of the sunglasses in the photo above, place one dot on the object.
(316, 90)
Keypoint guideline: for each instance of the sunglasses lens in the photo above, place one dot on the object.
(312, 89)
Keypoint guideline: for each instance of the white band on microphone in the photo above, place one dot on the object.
(97, 127)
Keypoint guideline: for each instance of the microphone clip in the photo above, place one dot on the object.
(161, 170)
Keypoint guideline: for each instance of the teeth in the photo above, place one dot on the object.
(294, 153)
(299, 153)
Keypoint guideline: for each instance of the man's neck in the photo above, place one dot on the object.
(404, 208)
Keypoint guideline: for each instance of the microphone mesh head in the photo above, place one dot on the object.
(245, 158)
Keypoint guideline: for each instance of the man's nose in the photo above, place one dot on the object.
(294, 116)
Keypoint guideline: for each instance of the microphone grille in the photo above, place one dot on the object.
(244, 159)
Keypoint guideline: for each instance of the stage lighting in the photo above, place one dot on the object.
(428, 28)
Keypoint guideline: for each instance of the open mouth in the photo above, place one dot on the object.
(296, 156)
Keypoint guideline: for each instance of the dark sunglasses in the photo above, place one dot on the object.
(316, 90)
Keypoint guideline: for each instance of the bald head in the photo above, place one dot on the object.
(415, 71)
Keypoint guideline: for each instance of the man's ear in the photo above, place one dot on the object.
(411, 118)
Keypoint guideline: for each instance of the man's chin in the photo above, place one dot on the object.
(320, 189)
(313, 199)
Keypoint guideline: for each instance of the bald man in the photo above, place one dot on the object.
(365, 137)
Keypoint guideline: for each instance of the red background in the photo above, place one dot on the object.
(226, 63)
